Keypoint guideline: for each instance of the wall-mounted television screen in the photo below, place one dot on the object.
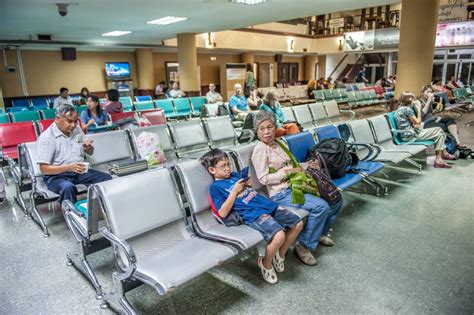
(117, 70)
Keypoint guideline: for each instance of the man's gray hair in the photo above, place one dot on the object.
(262, 116)
(63, 109)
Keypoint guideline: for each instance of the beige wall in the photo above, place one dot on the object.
(46, 72)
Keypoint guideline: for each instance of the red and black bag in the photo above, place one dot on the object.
(327, 189)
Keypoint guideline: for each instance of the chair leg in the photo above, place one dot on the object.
(20, 201)
(415, 164)
(36, 216)
(119, 297)
(79, 261)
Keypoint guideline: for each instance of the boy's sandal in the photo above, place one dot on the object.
(325, 240)
(305, 256)
(269, 275)
(278, 262)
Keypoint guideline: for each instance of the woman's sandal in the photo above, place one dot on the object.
(278, 262)
(269, 275)
(305, 255)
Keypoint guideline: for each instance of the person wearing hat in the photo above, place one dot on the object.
(407, 121)
(274, 165)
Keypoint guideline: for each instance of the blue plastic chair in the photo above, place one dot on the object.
(30, 115)
(145, 105)
(167, 107)
(48, 113)
(126, 103)
(182, 106)
(142, 98)
(4, 118)
(40, 101)
(23, 102)
(40, 107)
(197, 102)
(17, 109)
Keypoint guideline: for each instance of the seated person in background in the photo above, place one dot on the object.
(328, 84)
(320, 84)
(175, 92)
(340, 85)
(160, 89)
(112, 105)
(283, 127)
(452, 84)
(63, 98)
(61, 150)
(231, 195)
(238, 103)
(254, 101)
(438, 87)
(310, 89)
(213, 96)
(406, 120)
(84, 96)
(424, 111)
(94, 115)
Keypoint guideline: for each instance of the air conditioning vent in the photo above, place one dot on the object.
(45, 37)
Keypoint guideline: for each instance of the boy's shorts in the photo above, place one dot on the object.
(279, 220)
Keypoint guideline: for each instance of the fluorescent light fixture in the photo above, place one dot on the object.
(248, 1)
(116, 33)
(168, 20)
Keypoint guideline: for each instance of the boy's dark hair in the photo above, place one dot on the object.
(211, 158)
(113, 95)
(63, 89)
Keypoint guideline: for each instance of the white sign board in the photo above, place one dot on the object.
(336, 23)
(452, 11)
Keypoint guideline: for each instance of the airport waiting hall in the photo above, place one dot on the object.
(237, 156)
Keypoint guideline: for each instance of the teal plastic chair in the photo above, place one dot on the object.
(48, 113)
(197, 103)
(182, 106)
(4, 118)
(319, 95)
(2, 111)
(396, 135)
(145, 105)
(328, 95)
(126, 103)
(167, 107)
(80, 109)
(30, 115)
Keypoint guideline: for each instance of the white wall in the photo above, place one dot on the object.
(333, 59)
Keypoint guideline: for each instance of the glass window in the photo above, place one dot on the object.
(465, 56)
(437, 71)
(452, 56)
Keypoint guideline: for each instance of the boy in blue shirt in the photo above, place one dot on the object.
(230, 193)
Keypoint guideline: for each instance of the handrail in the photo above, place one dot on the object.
(353, 66)
(337, 66)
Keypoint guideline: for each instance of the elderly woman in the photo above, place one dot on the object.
(406, 120)
(272, 164)
(271, 104)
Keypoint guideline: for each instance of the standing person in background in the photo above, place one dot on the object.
(213, 96)
(361, 76)
(113, 105)
(249, 80)
(310, 89)
(175, 92)
(84, 96)
(63, 98)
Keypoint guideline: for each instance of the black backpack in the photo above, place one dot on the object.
(337, 156)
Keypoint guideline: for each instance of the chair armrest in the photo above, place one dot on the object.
(127, 250)
(373, 150)
(408, 132)
(71, 221)
(248, 132)
(351, 112)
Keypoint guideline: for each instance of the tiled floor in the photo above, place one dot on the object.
(410, 252)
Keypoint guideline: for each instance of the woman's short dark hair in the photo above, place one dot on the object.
(211, 158)
(113, 95)
(95, 99)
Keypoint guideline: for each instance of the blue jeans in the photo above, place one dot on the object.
(64, 183)
(269, 225)
(320, 218)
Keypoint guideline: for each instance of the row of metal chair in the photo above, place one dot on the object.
(352, 98)
(464, 95)
(181, 139)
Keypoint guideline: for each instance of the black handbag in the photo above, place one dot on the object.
(327, 189)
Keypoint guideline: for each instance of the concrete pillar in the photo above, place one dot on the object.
(247, 58)
(187, 59)
(309, 67)
(417, 43)
(322, 66)
(145, 69)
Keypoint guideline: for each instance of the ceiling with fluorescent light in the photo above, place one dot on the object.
(86, 21)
